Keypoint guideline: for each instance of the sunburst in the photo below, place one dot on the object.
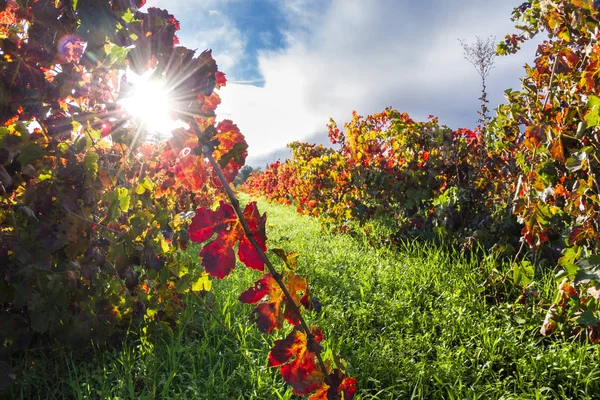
(149, 103)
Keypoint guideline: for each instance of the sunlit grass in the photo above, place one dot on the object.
(417, 323)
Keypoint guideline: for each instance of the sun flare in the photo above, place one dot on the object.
(149, 103)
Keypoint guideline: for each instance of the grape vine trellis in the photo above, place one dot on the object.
(534, 179)
(92, 219)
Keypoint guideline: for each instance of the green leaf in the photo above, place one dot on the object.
(113, 209)
(237, 153)
(572, 270)
(147, 184)
(182, 285)
(40, 320)
(124, 199)
(117, 55)
(4, 132)
(90, 162)
(587, 318)
(523, 273)
(592, 117)
(128, 16)
(589, 269)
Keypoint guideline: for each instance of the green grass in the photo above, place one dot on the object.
(415, 323)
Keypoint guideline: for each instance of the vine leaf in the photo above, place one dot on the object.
(341, 386)
(218, 256)
(302, 372)
(557, 150)
(232, 149)
(271, 313)
(290, 259)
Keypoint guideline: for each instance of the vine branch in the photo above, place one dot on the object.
(276, 275)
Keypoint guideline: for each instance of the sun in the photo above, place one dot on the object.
(149, 103)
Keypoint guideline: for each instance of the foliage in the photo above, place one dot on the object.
(538, 164)
(88, 210)
(416, 320)
(415, 177)
(551, 129)
(93, 216)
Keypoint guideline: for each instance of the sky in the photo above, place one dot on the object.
(292, 65)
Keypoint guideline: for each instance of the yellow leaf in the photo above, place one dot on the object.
(203, 283)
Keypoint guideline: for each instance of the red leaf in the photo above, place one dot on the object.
(232, 150)
(302, 372)
(580, 233)
(189, 172)
(275, 308)
(246, 251)
(262, 288)
(209, 103)
(218, 257)
(206, 222)
(220, 79)
(342, 385)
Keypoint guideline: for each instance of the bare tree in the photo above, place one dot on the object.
(481, 54)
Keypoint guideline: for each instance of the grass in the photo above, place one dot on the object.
(416, 323)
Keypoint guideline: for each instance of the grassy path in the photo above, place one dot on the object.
(418, 323)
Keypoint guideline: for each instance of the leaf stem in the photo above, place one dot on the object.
(277, 276)
(71, 213)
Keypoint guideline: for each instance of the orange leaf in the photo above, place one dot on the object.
(302, 373)
(557, 150)
(343, 388)
(276, 307)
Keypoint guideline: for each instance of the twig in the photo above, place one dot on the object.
(547, 98)
(277, 276)
(71, 213)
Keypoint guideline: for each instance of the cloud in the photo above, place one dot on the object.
(344, 55)
(364, 56)
(206, 25)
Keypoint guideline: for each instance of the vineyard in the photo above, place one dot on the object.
(523, 186)
(444, 264)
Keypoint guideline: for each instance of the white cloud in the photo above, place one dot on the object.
(342, 55)
(366, 56)
(206, 26)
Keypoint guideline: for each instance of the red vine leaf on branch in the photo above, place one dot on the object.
(276, 307)
(343, 387)
(218, 256)
(302, 373)
(232, 149)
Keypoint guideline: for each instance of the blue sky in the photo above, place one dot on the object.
(293, 64)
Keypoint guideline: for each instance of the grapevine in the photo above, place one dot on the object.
(533, 185)
(93, 217)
